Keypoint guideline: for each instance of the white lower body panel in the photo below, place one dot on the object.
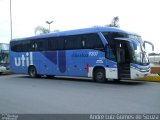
(135, 73)
(111, 73)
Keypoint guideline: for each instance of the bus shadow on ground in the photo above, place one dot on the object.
(88, 80)
(127, 82)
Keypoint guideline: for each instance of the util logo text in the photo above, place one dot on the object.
(24, 60)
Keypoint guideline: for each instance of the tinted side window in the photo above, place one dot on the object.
(21, 46)
(41, 45)
(73, 42)
(56, 43)
(13, 45)
(16, 46)
(26, 46)
(111, 35)
(92, 41)
(109, 54)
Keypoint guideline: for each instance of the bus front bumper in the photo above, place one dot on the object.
(136, 73)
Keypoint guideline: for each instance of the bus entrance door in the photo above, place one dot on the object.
(123, 59)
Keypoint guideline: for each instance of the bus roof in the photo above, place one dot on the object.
(133, 33)
(74, 32)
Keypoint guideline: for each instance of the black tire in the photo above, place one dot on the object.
(32, 72)
(99, 75)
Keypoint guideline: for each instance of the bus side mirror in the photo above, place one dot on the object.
(152, 45)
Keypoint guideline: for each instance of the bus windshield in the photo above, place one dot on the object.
(137, 38)
(140, 56)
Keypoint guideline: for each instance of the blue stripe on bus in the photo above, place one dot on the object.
(52, 56)
(62, 61)
(57, 56)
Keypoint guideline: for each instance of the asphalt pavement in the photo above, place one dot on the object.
(21, 94)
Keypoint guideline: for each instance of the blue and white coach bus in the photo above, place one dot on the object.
(100, 53)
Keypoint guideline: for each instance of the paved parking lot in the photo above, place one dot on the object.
(21, 94)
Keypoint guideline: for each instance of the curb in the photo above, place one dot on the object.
(151, 78)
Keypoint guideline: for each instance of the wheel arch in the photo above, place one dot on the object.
(98, 67)
(35, 73)
(30, 67)
(99, 74)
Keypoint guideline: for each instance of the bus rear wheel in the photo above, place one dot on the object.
(99, 75)
(32, 72)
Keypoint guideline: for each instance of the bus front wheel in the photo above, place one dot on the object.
(32, 72)
(99, 75)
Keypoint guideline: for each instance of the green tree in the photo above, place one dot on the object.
(114, 22)
(40, 30)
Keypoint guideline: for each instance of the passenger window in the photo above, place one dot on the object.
(56, 43)
(92, 41)
(16, 46)
(26, 46)
(41, 45)
(73, 42)
(109, 53)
